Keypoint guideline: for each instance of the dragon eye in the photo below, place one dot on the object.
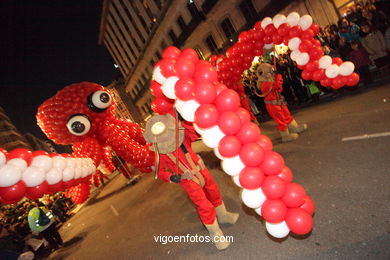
(99, 101)
(78, 124)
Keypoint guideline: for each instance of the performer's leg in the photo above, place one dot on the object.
(282, 119)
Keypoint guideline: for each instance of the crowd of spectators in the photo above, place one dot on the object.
(14, 219)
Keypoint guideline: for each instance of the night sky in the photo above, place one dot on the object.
(45, 46)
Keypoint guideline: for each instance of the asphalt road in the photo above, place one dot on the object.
(349, 182)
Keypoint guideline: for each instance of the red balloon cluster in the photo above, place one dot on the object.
(79, 193)
(235, 138)
(32, 174)
(307, 52)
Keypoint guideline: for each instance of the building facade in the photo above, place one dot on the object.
(135, 32)
(10, 137)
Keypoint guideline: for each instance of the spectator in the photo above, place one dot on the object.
(344, 48)
(359, 56)
(374, 42)
(11, 249)
(375, 18)
(348, 30)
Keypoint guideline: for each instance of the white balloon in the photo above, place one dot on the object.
(332, 71)
(278, 230)
(253, 198)
(59, 162)
(232, 166)
(305, 22)
(168, 88)
(3, 159)
(84, 171)
(278, 20)
(295, 54)
(53, 176)
(77, 173)
(236, 180)
(217, 153)
(157, 76)
(346, 68)
(258, 211)
(17, 162)
(9, 175)
(188, 110)
(68, 174)
(293, 44)
(33, 176)
(266, 21)
(268, 46)
(325, 61)
(42, 161)
(293, 18)
(303, 59)
(70, 162)
(212, 136)
(198, 129)
(92, 169)
(179, 105)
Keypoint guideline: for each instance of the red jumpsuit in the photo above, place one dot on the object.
(207, 198)
(280, 114)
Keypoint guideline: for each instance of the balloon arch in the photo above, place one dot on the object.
(203, 94)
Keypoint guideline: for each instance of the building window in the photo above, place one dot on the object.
(211, 44)
(181, 23)
(172, 35)
(208, 5)
(193, 10)
(227, 28)
(152, 62)
(158, 54)
(199, 52)
(248, 11)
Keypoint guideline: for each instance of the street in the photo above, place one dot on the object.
(348, 180)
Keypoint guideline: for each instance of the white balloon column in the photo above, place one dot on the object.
(32, 174)
(190, 85)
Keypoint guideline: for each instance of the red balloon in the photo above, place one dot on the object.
(352, 79)
(284, 29)
(14, 192)
(267, 39)
(277, 39)
(68, 184)
(56, 187)
(338, 82)
(184, 68)
(205, 92)
(295, 31)
(20, 153)
(155, 88)
(219, 88)
(189, 54)
(206, 116)
(161, 106)
(258, 35)
(37, 191)
(315, 28)
(205, 72)
(243, 36)
(229, 146)
(270, 30)
(171, 52)
(316, 53)
(318, 75)
(258, 26)
(307, 34)
(251, 178)
(167, 67)
(308, 205)
(227, 100)
(248, 133)
(312, 65)
(272, 163)
(52, 155)
(243, 114)
(265, 143)
(326, 82)
(229, 122)
(184, 89)
(306, 75)
(299, 221)
(38, 153)
(251, 154)
(274, 187)
(273, 211)
(286, 174)
(316, 43)
(305, 46)
(293, 197)
(337, 60)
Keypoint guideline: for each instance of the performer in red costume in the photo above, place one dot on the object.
(270, 85)
(178, 163)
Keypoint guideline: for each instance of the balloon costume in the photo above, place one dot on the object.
(271, 86)
(178, 163)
